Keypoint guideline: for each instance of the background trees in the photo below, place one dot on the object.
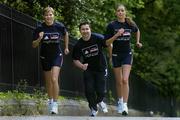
(158, 62)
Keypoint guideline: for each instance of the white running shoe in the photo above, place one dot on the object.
(120, 107)
(50, 105)
(54, 108)
(93, 112)
(125, 109)
(103, 107)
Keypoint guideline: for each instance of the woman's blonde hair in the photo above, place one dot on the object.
(48, 9)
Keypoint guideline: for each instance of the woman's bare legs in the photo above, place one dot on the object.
(122, 86)
(52, 86)
(54, 81)
(118, 78)
(125, 82)
(47, 77)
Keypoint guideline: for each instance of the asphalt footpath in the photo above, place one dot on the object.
(82, 118)
(78, 110)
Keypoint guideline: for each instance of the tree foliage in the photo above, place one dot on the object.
(72, 12)
(158, 62)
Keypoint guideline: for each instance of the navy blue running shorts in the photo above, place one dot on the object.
(122, 59)
(48, 63)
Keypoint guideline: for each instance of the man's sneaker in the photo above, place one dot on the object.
(103, 107)
(54, 108)
(120, 107)
(93, 112)
(125, 109)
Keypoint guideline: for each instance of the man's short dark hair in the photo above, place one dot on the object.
(84, 23)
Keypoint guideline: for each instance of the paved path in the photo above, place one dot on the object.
(77, 110)
(82, 118)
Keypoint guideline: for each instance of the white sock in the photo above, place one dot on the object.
(120, 100)
(125, 103)
(50, 100)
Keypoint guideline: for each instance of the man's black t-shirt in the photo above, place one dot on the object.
(91, 52)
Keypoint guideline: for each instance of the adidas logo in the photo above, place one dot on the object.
(86, 52)
(46, 38)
